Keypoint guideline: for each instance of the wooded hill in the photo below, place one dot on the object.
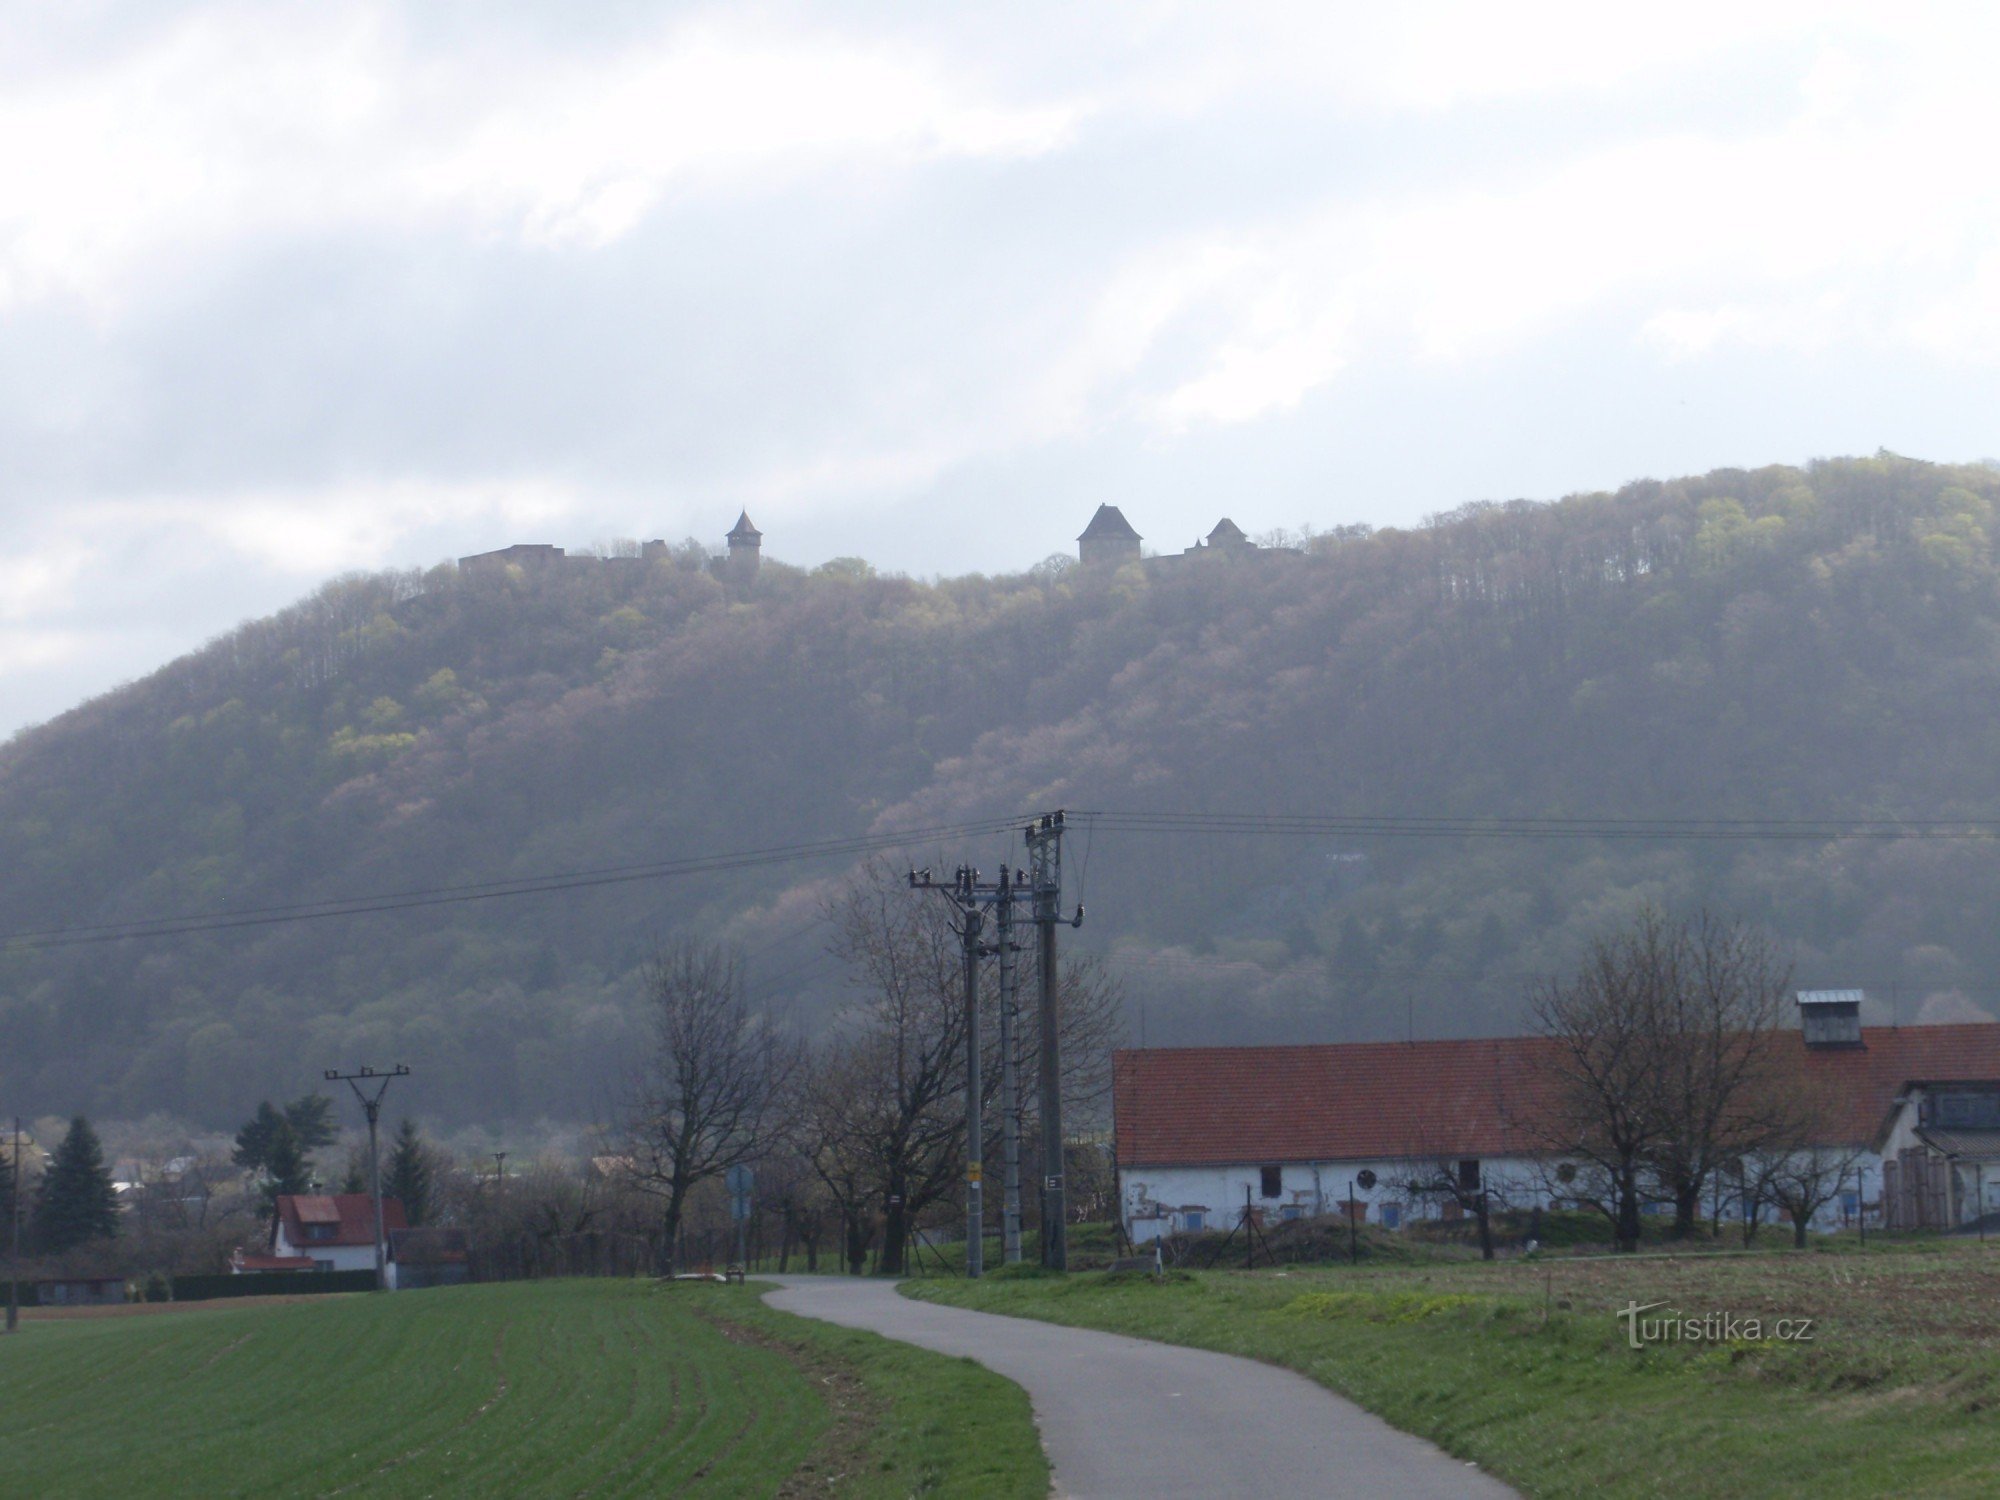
(1780, 643)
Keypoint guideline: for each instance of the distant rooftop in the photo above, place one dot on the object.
(1109, 525)
(743, 530)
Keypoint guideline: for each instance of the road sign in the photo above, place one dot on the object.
(740, 1179)
(973, 1170)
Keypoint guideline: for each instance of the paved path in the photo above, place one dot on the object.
(1128, 1417)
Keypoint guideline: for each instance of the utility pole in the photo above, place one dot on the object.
(14, 1254)
(371, 1105)
(1044, 837)
(971, 921)
(1010, 1082)
(1042, 887)
(963, 893)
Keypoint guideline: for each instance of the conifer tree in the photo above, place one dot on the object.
(311, 1117)
(286, 1169)
(76, 1203)
(253, 1141)
(409, 1175)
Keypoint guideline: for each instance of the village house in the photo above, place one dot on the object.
(1941, 1154)
(1202, 1133)
(323, 1232)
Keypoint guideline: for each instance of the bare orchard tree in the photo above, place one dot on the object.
(1665, 1062)
(1807, 1162)
(1716, 1070)
(710, 1095)
(1601, 1108)
(890, 1081)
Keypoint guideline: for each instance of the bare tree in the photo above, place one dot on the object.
(1665, 1063)
(891, 1082)
(709, 1098)
(1715, 1071)
(1460, 1182)
(1804, 1164)
(1602, 1109)
(886, 1099)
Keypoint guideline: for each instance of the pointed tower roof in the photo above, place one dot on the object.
(1227, 534)
(1109, 525)
(743, 531)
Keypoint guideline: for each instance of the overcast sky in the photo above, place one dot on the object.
(287, 290)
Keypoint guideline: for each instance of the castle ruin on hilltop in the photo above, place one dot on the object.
(1110, 542)
(739, 566)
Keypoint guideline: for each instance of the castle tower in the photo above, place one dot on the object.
(1108, 540)
(746, 544)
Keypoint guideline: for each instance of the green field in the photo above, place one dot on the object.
(1524, 1367)
(536, 1388)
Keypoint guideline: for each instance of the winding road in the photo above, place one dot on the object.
(1124, 1417)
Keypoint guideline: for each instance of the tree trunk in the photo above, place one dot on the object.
(1687, 1209)
(857, 1244)
(1799, 1223)
(670, 1227)
(895, 1226)
(1628, 1210)
(1485, 1228)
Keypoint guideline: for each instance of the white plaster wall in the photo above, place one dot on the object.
(344, 1257)
(1321, 1187)
(1315, 1187)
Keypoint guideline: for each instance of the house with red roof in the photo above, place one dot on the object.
(1372, 1128)
(324, 1232)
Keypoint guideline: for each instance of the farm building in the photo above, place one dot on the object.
(1388, 1130)
(1941, 1154)
(324, 1232)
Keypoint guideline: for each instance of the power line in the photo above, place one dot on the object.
(1406, 971)
(1255, 824)
(1401, 825)
(527, 885)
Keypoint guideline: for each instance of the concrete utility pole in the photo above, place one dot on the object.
(970, 922)
(371, 1105)
(1044, 837)
(968, 895)
(1010, 1082)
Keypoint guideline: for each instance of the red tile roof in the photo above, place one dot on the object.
(1369, 1101)
(352, 1214)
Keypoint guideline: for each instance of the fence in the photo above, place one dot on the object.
(271, 1284)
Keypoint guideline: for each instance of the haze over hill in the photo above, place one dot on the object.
(1782, 643)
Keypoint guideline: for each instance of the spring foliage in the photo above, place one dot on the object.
(1809, 642)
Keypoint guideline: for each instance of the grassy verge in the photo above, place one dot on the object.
(925, 1408)
(1525, 1366)
(542, 1388)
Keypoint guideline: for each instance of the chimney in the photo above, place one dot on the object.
(1830, 1018)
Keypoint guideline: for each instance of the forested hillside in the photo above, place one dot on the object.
(1779, 643)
